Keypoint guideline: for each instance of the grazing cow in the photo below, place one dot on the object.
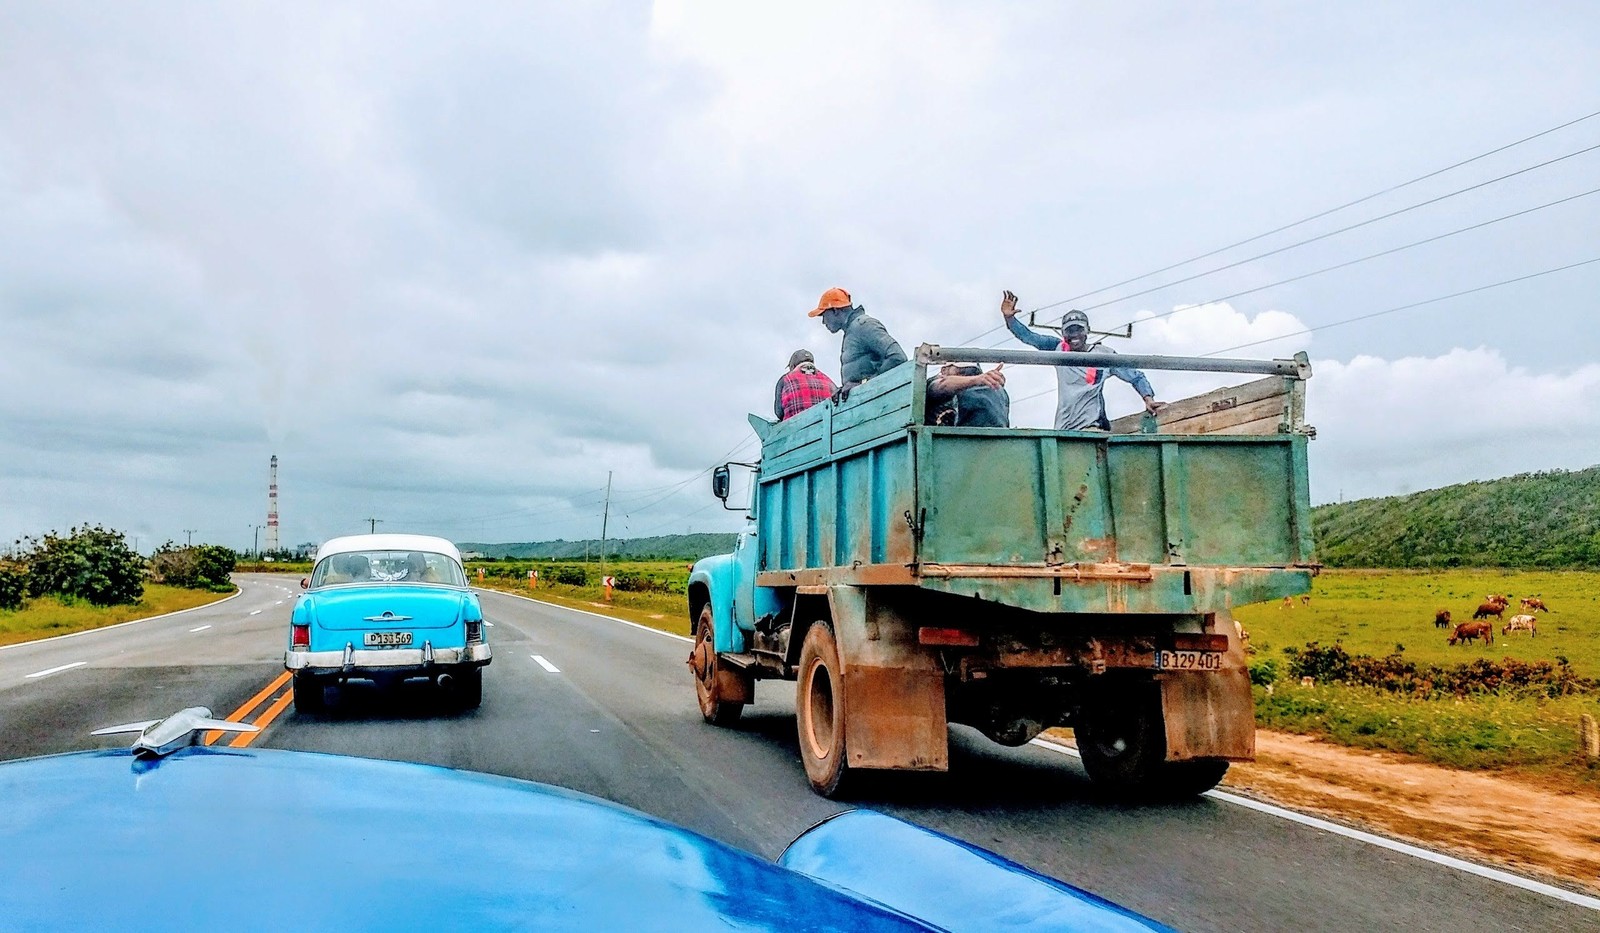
(1305, 600)
(1288, 603)
(1490, 609)
(1470, 631)
(1441, 619)
(1502, 599)
(1533, 604)
(1523, 623)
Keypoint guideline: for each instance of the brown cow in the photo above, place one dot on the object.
(1469, 631)
(1491, 609)
(1533, 604)
(1523, 623)
(1441, 619)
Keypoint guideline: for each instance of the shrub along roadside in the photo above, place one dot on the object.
(1395, 673)
(89, 563)
(201, 567)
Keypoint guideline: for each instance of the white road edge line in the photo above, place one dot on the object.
(200, 629)
(545, 664)
(107, 628)
(642, 628)
(1383, 842)
(55, 670)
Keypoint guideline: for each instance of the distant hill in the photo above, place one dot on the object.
(663, 547)
(1534, 520)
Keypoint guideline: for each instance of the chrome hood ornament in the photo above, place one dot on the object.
(160, 737)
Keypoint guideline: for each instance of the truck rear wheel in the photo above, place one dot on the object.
(819, 710)
(705, 665)
(1122, 739)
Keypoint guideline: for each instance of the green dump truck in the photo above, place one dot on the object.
(909, 576)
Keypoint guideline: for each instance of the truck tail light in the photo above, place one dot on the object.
(953, 637)
(474, 632)
(300, 636)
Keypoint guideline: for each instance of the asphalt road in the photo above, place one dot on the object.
(607, 708)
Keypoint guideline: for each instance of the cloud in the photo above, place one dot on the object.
(454, 265)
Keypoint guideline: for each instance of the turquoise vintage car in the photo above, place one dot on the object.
(387, 608)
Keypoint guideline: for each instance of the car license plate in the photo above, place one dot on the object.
(389, 639)
(1188, 660)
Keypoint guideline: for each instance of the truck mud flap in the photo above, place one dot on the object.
(894, 713)
(1209, 715)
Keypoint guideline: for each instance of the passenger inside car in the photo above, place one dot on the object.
(418, 569)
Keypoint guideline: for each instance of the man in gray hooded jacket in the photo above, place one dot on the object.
(867, 350)
(1081, 390)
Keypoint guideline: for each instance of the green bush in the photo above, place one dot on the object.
(571, 576)
(202, 567)
(1394, 673)
(1264, 671)
(90, 563)
(13, 585)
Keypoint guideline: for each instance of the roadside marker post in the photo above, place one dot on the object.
(480, 573)
(533, 579)
(609, 583)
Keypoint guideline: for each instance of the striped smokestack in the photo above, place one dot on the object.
(272, 507)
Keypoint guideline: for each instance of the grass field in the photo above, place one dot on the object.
(48, 615)
(667, 609)
(1372, 611)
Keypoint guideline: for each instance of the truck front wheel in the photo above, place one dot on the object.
(703, 662)
(819, 710)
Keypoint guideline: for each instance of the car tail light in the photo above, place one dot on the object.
(474, 632)
(300, 636)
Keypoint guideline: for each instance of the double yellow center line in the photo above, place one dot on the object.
(273, 710)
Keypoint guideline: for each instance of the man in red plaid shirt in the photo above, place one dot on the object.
(802, 386)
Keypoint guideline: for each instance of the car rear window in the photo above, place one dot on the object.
(387, 567)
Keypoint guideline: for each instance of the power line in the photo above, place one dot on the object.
(1332, 210)
(1304, 220)
(1332, 233)
(1407, 307)
(1377, 255)
(1373, 314)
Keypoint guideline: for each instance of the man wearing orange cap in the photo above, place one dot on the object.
(867, 349)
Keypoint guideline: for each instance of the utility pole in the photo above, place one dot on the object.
(188, 541)
(604, 518)
(255, 543)
(372, 525)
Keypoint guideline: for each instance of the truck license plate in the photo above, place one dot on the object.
(1188, 660)
(399, 639)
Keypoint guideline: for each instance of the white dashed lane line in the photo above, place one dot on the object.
(255, 612)
(56, 670)
(488, 623)
(200, 629)
(545, 664)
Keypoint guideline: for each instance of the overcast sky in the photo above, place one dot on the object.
(454, 262)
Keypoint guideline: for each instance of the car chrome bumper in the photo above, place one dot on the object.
(384, 659)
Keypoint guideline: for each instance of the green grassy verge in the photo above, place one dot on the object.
(1372, 611)
(668, 612)
(49, 615)
(302, 567)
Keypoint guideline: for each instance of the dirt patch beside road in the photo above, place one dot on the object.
(1526, 826)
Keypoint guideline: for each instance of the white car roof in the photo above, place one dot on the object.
(388, 542)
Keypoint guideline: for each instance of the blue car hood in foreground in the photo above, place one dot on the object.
(280, 840)
(348, 607)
